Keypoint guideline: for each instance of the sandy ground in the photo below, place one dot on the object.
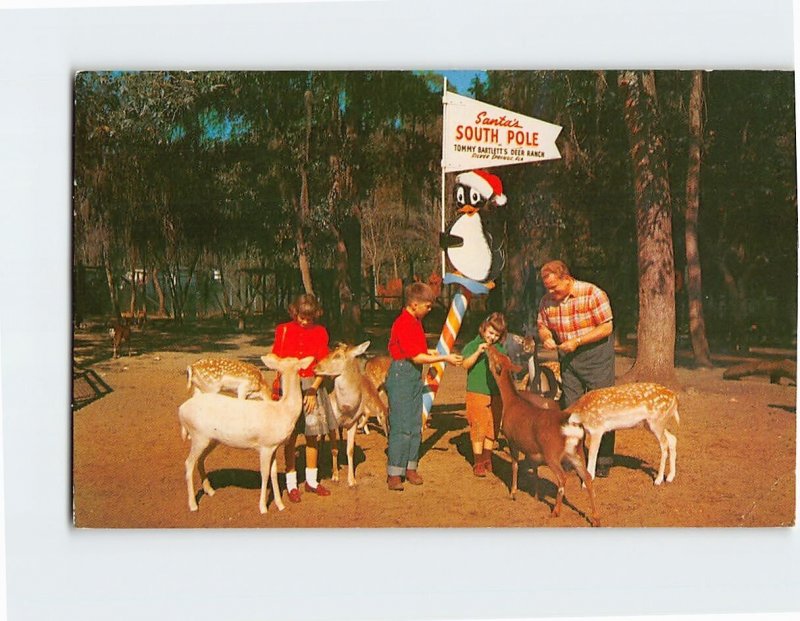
(736, 457)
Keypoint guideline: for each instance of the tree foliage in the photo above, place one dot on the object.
(203, 180)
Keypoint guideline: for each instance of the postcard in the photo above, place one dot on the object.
(491, 298)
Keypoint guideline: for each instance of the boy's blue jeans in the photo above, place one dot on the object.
(404, 387)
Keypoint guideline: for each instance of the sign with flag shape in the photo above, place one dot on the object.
(479, 135)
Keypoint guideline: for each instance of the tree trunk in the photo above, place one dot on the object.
(655, 356)
(162, 304)
(349, 309)
(302, 253)
(112, 288)
(697, 324)
(737, 315)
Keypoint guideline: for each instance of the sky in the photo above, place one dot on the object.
(461, 79)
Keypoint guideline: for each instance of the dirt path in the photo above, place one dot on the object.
(736, 459)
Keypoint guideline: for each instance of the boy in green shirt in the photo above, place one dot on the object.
(483, 405)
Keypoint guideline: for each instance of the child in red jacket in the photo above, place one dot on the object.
(299, 338)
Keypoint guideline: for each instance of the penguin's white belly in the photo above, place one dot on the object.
(474, 258)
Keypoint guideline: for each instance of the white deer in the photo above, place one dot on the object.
(210, 419)
(626, 406)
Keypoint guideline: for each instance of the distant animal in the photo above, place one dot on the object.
(626, 406)
(217, 374)
(120, 333)
(210, 419)
(542, 435)
(355, 398)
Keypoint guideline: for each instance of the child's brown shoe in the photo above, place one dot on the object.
(487, 460)
(479, 469)
(394, 483)
(413, 478)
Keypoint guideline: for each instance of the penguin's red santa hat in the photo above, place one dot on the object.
(487, 185)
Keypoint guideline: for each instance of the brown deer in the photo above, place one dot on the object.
(542, 435)
(354, 399)
(626, 406)
(376, 369)
(120, 332)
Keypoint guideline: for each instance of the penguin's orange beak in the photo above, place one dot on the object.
(468, 209)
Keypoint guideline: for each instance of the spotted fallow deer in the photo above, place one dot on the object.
(626, 406)
(216, 374)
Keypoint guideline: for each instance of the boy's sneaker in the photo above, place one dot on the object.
(413, 478)
(394, 483)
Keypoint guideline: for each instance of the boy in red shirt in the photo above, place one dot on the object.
(404, 385)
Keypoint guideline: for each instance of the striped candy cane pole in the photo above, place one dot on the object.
(458, 307)
(445, 345)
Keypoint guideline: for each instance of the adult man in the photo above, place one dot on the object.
(575, 319)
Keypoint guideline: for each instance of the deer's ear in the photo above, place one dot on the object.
(359, 349)
(270, 361)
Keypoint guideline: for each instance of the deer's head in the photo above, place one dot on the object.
(339, 358)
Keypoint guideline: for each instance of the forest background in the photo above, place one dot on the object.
(224, 193)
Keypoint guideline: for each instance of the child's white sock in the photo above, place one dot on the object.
(291, 480)
(311, 477)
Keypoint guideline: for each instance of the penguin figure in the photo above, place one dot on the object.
(474, 251)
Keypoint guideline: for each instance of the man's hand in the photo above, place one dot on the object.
(569, 346)
(549, 343)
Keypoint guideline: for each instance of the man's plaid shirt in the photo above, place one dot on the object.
(585, 308)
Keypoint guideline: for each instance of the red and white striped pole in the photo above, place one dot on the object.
(447, 339)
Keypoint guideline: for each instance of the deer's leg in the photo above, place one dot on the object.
(273, 476)
(673, 454)
(561, 481)
(535, 477)
(514, 470)
(265, 457)
(201, 467)
(351, 443)
(593, 445)
(198, 446)
(333, 436)
(576, 459)
(659, 432)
